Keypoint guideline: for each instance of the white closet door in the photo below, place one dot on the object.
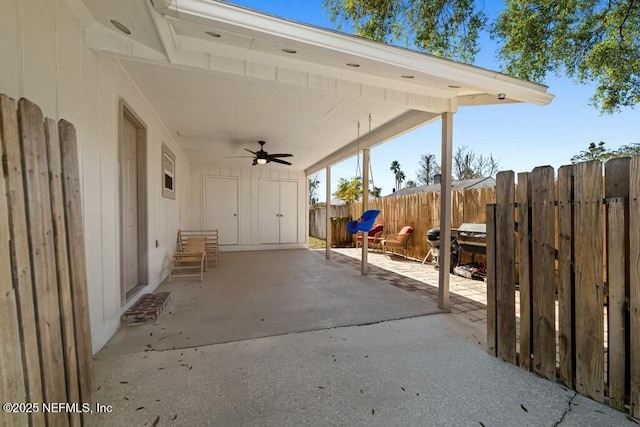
(288, 212)
(269, 211)
(221, 208)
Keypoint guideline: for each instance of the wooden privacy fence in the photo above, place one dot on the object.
(44, 321)
(318, 219)
(422, 212)
(577, 248)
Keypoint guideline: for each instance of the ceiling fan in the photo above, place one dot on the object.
(262, 157)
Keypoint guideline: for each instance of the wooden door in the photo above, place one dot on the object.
(288, 212)
(269, 211)
(221, 208)
(129, 182)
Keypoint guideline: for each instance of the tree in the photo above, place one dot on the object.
(314, 183)
(410, 184)
(374, 191)
(594, 41)
(600, 152)
(469, 165)
(349, 190)
(428, 169)
(399, 175)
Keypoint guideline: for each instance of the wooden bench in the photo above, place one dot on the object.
(210, 246)
(190, 260)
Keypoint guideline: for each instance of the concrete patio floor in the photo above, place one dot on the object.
(422, 371)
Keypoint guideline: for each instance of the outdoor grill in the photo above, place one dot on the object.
(472, 238)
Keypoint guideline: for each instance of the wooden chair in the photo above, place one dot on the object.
(190, 260)
(397, 241)
(211, 242)
(374, 237)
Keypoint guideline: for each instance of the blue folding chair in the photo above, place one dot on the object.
(365, 223)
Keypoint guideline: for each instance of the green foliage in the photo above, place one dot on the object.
(349, 190)
(397, 172)
(375, 191)
(600, 152)
(410, 184)
(591, 41)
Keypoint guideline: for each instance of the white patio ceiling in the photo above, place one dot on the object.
(218, 95)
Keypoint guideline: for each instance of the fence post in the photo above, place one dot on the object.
(492, 344)
(505, 266)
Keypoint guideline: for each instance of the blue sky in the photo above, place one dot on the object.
(520, 136)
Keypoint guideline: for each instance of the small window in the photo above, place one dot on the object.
(168, 173)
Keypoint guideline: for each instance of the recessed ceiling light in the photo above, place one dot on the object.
(212, 34)
(120, 26)
(454, 86)
(352, 64)
(289, 51)
(502, 96)
(407, 76)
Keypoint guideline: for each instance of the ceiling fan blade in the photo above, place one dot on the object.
(252, 152)
(279, 161)
(280, 155)
(238, 157)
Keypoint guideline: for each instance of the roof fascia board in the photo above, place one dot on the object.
(392, 129)
(200, 12)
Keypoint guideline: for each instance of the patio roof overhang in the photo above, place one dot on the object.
(222, 77)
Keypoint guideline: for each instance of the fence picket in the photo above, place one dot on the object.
(524, 267)
(492, 343)
(543, 263)
(43, 255)
(634, 285)
(566, 277)
(505, 266)
(62, 266)
(12, 382)
(589, 330)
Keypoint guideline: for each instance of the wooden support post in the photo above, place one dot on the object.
(634, 285)
(445, 210)
(505, 266)
(543, 263)
(492, 336)
(566, 277)
(589, 280)
(328, 212)
(365, 206)
(523, 198)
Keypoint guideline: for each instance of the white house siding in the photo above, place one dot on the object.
(43, 58)
(248, 200)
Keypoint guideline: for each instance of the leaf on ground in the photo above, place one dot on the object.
(262, 320)
(150, 334)
(481, 423)
(417, 394)
(403, 389)
(361, 391)
(126, 398)
(158, 400)
(124, 382)
(148, 345)
(139, 407)
(366, 356)
(598, 411)
(320, 387)
(156, 421)
(524, 408)
(373, 411)
(175, 417)
(160, 369)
